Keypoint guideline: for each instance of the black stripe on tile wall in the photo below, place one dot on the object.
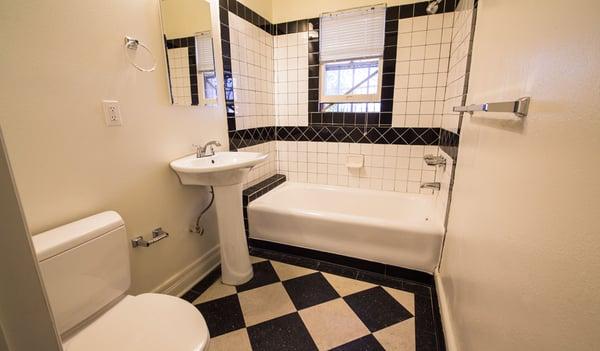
(249, 137)
(369, 135)
(227, 74)
(190, 44)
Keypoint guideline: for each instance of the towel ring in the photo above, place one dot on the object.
(133, 44)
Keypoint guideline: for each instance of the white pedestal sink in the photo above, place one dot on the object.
(225, 171)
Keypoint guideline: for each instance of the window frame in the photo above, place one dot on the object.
(336, 99)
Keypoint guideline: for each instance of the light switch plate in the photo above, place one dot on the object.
(112, 113)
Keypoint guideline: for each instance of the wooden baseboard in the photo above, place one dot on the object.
(182, 281)
(445, 313)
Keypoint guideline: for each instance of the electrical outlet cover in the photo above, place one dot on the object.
(112, 113)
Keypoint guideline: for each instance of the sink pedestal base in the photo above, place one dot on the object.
(236, 268)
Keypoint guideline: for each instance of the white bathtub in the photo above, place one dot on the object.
(381, 226)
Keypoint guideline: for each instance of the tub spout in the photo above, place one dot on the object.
(433, 185)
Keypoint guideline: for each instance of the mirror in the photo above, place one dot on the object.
(189, 49)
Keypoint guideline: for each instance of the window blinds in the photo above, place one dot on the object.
(352, 34)
(204, 52)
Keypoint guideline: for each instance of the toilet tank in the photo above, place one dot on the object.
(84, 266)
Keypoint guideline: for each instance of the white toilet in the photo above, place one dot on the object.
(85, 268)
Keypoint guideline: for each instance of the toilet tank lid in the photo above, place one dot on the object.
(68, 236)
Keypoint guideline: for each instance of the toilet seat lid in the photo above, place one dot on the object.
(147, 322)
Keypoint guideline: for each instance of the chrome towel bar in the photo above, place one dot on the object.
(519, 107)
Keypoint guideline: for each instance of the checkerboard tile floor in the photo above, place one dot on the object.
(288, 307)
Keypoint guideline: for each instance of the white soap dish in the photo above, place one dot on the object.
(355, 161)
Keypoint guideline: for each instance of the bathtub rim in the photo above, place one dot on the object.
(435, 227)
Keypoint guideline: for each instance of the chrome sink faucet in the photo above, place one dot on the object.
(207, 150)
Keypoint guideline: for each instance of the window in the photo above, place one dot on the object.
(351, 81)
(206, 69)
(351, 51)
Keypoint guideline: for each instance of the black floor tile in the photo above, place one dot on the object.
(424, 313)
(366, 343)
(283, 333)
(207, 281)
(222, 315)
(264, 274)
(309, 290)
(190, 296)
(376, 308)
(426, 342)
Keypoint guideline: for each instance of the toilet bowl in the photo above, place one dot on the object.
(85, 269)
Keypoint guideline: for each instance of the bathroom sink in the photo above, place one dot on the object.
(222, 168)
(225, 172)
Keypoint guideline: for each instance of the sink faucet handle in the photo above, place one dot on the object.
(199, 149)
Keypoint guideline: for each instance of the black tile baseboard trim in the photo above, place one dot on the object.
(348, 263)
(202, 285)
(254, 192)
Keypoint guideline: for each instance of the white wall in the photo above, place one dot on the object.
(3, 346)
(185, 18)
(25, 319)
(521, 269)
(59, 60)
(286, 10)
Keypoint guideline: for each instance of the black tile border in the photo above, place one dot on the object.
(249, 137)
(202, 285)
(254, 192)
(346, 261)
(333, 133)
(226, 57)
(190, 44)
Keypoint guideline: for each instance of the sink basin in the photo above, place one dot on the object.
(223, 168)
(225, 172)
